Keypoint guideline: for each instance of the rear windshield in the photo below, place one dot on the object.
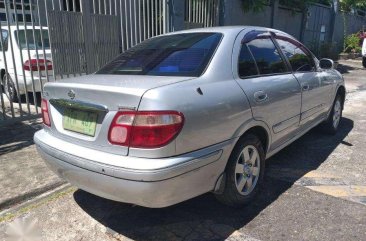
(34, 40)
(174, 55)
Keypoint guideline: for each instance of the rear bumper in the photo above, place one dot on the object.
(29, 85)
(150, 188)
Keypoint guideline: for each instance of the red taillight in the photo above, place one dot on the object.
(45, 113)
(33, 64)
(145, 129)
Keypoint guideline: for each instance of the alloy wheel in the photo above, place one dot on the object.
(9, 87)
(337, 111)
(247, 170)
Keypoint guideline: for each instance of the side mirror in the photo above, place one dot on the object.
(326, 64)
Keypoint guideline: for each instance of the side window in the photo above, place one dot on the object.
(265, 53)
(2, 16)
(246, 63)
(4, 35)
(296, 54)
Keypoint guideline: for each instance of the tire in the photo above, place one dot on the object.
(331, 125)
(364, 62)
(9, 88)
(234, 193)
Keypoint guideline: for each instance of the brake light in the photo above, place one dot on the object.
(33, 64)
(45, 113)
(145, 129)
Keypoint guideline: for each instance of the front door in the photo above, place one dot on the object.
(315, 88)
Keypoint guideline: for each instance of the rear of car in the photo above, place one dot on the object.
(32, 57)
(117, 135)
(34, 46)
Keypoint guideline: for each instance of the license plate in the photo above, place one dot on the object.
(83, 122)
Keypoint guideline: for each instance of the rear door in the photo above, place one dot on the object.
(273, 92)
(315, 89)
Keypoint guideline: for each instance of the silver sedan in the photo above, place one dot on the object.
(188, 113)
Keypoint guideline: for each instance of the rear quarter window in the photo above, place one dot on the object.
(173, 55)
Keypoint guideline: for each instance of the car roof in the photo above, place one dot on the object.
(230, 30)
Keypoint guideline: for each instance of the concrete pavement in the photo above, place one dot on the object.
(23, 174)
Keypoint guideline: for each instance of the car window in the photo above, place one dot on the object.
(246, 63)
(267, 57)
(172, 55)
(3, 17)
(296, 54)
(19, 17)
(4, 35)
(34, 41)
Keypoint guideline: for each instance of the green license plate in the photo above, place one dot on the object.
(80, 121)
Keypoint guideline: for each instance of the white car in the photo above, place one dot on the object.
(16, 74)
(364, 53)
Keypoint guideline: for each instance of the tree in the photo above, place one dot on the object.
(350, 5)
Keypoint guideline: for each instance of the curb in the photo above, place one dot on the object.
(29, 195)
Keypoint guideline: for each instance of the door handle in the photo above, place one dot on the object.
(305, 87)
(260, 96)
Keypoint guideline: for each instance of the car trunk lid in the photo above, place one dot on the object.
(103, 95)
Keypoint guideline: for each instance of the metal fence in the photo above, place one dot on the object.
(48, 40)
(24, 57)
(200, 13)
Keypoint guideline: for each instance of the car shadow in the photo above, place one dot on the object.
(17, 135)
(203, 218)
(345, 69)
(33, 99)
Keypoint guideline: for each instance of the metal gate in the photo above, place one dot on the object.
(47, 40)
(317, 26)
(68, 43)
(201, 13)
(79, 45)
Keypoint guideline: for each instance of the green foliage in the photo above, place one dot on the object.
(352, 44)
(348, 5)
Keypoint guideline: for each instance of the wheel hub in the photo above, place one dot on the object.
(247, 170)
